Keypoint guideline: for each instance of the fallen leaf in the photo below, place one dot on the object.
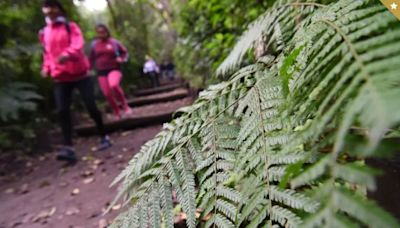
(88, 180)
(24, 189)
(103, 223)
(72, 211)
(198, 212)
(63, 184)
(28, 164)
(120, 156)
(10, 191)
(76, 191)
(116, 207)
(42, 158)
(126, 133)
(87, 173)
(207, 217)
(44, 214)
(93, 215)
(183, 216)
(16, 224)
(62, 170)
(124, 149)
(98, 162)
(88, 158)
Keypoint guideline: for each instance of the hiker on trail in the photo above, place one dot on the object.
(151, 69)
(65, 62)
(106, 55)
(169, 69)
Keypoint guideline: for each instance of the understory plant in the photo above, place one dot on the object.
(283, 142)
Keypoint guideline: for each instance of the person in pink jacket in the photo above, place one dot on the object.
(65, 62)
(106, 55)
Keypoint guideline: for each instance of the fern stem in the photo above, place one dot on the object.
(264, 147)
(366, 76)
(215, 170)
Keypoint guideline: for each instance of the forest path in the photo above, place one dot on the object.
(41, 192)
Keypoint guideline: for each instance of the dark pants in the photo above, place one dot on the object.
(63, 94)
(154, 79)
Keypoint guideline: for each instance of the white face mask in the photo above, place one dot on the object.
(61, 19)
(46, 10)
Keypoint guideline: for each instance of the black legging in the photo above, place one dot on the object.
(63, 94)
(154, 79)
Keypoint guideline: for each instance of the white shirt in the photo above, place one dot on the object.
(150, 66)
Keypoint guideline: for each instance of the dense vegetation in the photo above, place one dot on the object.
(21, 86)
(166, 29)
(282, 143)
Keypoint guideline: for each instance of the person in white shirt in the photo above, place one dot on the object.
(152, 70)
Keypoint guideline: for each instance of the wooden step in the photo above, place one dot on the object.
(142, 116)
(160, 89)
(159, 97)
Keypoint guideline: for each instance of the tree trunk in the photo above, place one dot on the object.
(113, 15)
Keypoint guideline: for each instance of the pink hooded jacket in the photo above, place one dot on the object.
(56, 42)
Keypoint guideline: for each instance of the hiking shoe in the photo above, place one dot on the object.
(67, 154)
(114, 117)
(127, 113)
(105, 143)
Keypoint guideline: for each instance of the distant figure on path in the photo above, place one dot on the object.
(67, 65)
(106, 55)
(170, 70)
(151, 69)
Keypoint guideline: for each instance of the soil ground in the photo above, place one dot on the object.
(41, 192)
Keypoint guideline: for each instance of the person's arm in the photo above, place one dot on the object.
(156, 67)
(45, 71)
(124, 55)
(92, 54)
(76, 44)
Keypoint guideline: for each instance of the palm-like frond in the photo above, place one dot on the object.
(16, 97)
(276, 26)
(269, 147)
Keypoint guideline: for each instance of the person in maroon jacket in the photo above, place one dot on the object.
(106, 55)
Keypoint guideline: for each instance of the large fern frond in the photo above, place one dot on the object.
(276, 27)
(281, 126)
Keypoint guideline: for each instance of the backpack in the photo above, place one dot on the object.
(67, 28)
(113, 42)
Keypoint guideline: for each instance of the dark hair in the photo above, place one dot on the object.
(54, 3)
(103, 26)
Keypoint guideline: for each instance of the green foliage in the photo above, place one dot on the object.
(207, 32)
(21, 86)
(16, 97)
(274, 145)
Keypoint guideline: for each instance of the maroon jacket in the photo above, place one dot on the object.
(103, 54)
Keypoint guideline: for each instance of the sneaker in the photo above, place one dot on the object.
(105, 143)
(66, 154)
(114, 117)
(127, 112)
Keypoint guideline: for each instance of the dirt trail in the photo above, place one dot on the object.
(44, 194)
(41, 192)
